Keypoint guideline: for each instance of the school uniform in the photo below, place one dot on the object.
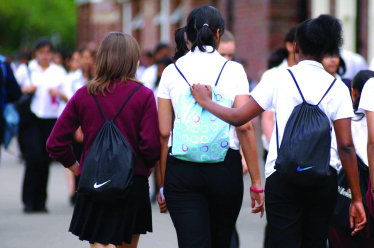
(367, 104)
(44, 110)
(111, 222)
(298, 216)
(203, 208)
(365, 238)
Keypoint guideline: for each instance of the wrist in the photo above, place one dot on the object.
(257, 190)
(256, 185)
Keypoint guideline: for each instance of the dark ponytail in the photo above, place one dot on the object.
(202, 25)
(358, 83)
(180, 40)
(320, 36)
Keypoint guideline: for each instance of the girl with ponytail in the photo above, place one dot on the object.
(204, 199)
(299, 215)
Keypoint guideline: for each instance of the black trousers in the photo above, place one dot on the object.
(204, 200)
(299, 216)
(35, 182)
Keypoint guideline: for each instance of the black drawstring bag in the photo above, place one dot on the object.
(340, 219)
(108, 168)
(304, 155)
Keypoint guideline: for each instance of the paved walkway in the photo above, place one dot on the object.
(19, 230)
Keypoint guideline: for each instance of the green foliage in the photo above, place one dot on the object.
(22, 22)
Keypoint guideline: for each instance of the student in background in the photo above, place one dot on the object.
(299, 215)
(354, 63)
(73, 82)
(119, 223)
(280, 59)
(203, 209)
(337, 238)
(149, 76)
(335, 65)
(227, 50)
(46, 80)
(367, 105)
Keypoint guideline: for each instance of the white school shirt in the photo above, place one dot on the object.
(367, 97)
(204, 68)
(53, 77)
(149, 78)
(282, 96)
(22, 75)
(73, 81)
(271, 74)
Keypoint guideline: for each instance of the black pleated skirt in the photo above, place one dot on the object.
(113, 222)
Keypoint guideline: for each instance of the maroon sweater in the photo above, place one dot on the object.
(138, 122)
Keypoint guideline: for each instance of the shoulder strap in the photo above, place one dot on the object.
(293, 77)
(276, 127)
(101, 110)
(333, 82)
(175, 64)
(221, 72)
(123, 105)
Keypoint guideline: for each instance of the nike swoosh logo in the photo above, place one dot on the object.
(303, 169)
(99, 185)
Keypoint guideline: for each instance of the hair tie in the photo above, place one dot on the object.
(206, 25)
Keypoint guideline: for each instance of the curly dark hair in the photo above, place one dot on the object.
(358, 83)
(320, 36)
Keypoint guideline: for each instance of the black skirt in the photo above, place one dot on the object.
(113, 222)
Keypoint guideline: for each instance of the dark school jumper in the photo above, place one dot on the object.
(138, 122)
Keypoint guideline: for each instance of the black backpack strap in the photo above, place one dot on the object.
(123, 105)
(221, 72)
(276, 129)
(175, 64)
(296, 84)
(101, 110)
(333, 82)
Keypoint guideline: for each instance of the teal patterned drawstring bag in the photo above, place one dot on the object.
(198, 136)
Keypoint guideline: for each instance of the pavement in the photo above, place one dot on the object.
(19, 230)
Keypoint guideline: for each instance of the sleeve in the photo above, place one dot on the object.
(344, 109)
(241, 79)
(149, 144)
(264, 92)
(59, 142)
(13, 91)
(22, 75)
(367, 97)
(166, 77)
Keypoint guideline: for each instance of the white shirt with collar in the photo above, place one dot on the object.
(52, 77)
(204, 68)
(74, 80)
(22, 75)
(282, 96)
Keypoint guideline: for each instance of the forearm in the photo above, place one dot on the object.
(64, 97)
(349, 162)
(248, 144)
(74, 168)
(163, 158)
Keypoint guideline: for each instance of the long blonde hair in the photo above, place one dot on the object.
(117, 58)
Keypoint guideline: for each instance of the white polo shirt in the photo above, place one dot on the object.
(204, 68)
(367, 97)
(53, 77)
(282, 96)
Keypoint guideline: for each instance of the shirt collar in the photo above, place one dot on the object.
(209, 49)
(311, 63)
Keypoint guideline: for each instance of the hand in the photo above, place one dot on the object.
(54, 92)
(201, 93)
(78, 135)
(357, 216)
(259, 198)
(161, 203)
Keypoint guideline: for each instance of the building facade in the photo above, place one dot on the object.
(258, 25)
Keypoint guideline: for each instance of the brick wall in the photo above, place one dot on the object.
(97, 19)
